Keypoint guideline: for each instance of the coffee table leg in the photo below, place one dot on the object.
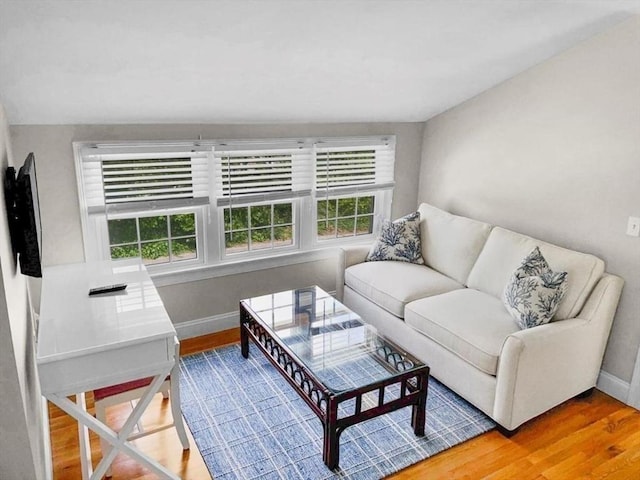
(244, 335)
(331, 448)
(419, 408)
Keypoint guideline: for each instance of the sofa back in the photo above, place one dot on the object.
(505, 250)
(450, 243)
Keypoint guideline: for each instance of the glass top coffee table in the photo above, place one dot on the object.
(337, 363)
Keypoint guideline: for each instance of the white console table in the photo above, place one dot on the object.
(87, 342)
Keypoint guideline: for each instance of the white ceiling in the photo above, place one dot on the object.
(250, 61)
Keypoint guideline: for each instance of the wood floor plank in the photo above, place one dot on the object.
(568, 418)
(484, 465)
(441, 465)
(594, 438)
(207, 342)
(626, 465)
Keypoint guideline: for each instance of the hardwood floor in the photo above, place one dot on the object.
(593, 438)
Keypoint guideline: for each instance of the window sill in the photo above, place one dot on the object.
(162, 279)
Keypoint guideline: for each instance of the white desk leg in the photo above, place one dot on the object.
(83, 438)
(119, 441)
(176, 410)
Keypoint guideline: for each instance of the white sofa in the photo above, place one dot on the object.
(449, 313)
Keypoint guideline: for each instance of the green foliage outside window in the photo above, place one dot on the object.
(170, 238)
(123, 231)
(156, 239)
(345, 217)
(258, 226)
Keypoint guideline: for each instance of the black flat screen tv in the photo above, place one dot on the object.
(23, 212)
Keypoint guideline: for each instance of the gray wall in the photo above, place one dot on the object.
(62, 235)
(555, 153)
(22, 451)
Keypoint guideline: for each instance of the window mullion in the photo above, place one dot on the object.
(139, 237)
(249, 228)
(169, 239)
(306, 218)
(272, 229)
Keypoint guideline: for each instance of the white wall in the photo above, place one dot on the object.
(62, 236)
(555, 153)
(21, 441)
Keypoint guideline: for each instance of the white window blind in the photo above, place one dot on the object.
(343, 168)
(165, 178)
(250, 173)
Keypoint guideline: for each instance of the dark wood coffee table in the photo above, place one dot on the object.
(337, 363)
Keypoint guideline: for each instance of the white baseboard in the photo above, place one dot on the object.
(613, 386)
(213, 324)
(204, 326)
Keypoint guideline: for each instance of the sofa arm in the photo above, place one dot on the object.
(544, 366)
(348, 256)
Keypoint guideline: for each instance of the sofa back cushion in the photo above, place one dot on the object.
(505, 250)
(450, 243)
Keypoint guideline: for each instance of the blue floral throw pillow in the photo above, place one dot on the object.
(534, 292)
(399, 240)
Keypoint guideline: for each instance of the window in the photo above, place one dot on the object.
(182, 205)
(346, 176)
(157, 239)
(258, 187)
(144, 201)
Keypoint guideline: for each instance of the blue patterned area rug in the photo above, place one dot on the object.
(249, 423)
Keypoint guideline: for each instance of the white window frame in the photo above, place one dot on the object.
(213, 260)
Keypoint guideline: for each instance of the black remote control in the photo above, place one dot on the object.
(108, 288)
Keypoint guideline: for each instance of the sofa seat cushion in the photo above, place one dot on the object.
(471, 324)
(391, 285)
